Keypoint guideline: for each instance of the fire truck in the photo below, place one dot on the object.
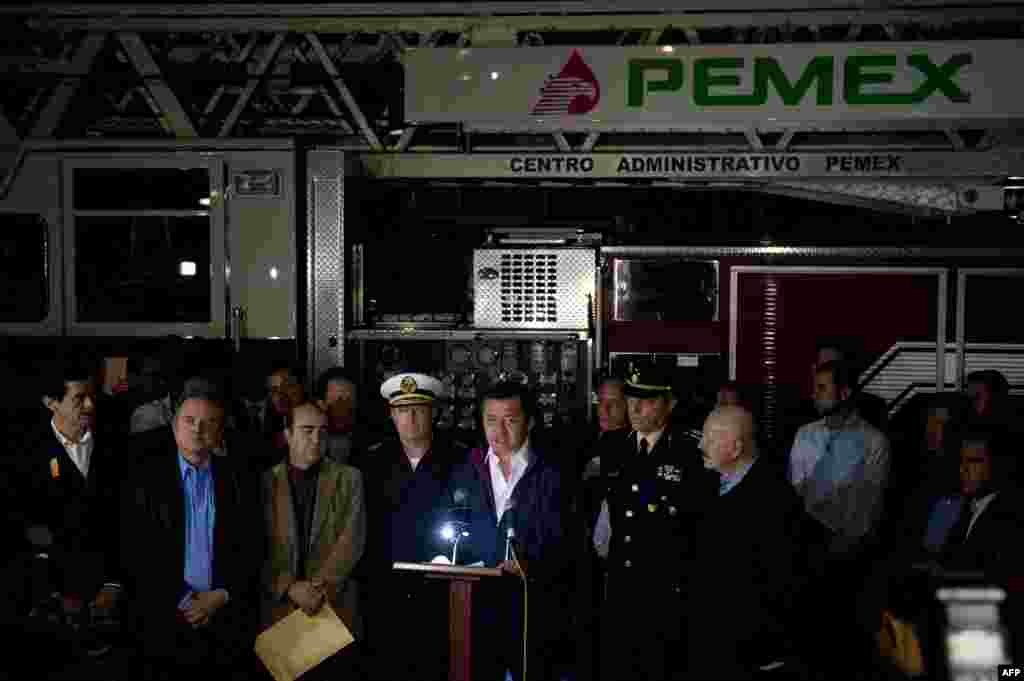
(535, 190)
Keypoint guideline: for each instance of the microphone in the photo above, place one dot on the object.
(459, 496)
(459, 510)
(510, 534)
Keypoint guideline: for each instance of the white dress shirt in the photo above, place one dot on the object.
(652, 439)
(80, 453)
(503, 488)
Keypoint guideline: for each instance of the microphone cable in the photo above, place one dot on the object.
(526, 612)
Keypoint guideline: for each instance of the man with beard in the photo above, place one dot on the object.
(646, 529)
(839, 467)
(63, 487)
(839, 464)
(316, 531)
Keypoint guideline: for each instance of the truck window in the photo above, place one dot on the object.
(142, 268)
(141, 189)
(980, 301)
(24, 285)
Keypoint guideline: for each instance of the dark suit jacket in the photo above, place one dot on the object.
(746, 574)
(153, 548)
(404, 506)
(994, 543)
(538, 515)
(80, 511)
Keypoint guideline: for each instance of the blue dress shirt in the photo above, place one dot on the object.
(200, 516)
(841, 474)
(730, 480)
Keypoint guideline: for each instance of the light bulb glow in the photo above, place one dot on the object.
(448, 532)
(187, 268)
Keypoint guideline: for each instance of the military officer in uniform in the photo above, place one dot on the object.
(406, 482)
(645, 531)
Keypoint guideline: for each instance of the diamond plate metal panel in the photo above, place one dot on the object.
(533, 288)
(326, 261)
(938, 197)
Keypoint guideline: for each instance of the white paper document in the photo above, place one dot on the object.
(298, 642)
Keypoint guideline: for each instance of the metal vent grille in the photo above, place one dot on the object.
(529, 287)
(533, 288)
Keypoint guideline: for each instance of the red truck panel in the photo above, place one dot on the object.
(781, 317)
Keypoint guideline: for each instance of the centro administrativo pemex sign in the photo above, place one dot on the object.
(767, 86)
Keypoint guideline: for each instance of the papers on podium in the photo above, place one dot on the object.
(298, 642)
(443, 560)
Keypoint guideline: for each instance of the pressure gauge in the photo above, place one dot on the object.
(510, 356)
(538, 357)
(467, 386)
(548, 381)
(487, 356)
(390, 355)
(467, 417)
(446, 420)
(459, 355)
(518, 377)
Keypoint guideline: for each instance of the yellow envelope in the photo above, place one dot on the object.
(298, 642)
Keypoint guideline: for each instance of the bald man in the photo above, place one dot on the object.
(747, 560)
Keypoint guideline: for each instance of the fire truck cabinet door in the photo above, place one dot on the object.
(893, 316)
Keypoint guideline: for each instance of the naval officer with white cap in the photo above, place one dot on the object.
(406, 480)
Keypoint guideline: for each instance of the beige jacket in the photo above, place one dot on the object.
(337, 538)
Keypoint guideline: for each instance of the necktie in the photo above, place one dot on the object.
(643, 446)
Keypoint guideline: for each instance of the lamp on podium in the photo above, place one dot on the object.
(461, 582)
(454, 531)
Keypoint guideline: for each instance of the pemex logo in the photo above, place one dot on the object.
(573, 91)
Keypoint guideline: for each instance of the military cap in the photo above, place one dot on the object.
(408, 388)
(646, 379)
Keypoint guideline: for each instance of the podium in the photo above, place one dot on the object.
(461, 581)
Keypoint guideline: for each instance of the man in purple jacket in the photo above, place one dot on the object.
(512, 498)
